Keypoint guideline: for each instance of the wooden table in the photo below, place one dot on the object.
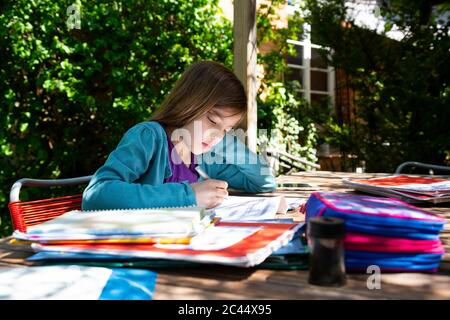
(211, 282)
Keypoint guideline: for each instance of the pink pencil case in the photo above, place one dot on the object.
(367, 242)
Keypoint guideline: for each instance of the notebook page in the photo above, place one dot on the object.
(237, 208)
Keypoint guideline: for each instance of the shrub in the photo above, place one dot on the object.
(68, 95)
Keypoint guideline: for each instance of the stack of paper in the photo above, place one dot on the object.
(139, 225)
(232, 234)
(293, 255)
(407, 188)
(243, 244)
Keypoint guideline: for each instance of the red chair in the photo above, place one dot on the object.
(29, 213)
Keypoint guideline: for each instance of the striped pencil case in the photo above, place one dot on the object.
(374, 215)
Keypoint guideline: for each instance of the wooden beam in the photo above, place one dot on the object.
(244, 33)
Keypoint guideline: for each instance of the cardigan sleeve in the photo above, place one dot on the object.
(232, 161)
(114, 184)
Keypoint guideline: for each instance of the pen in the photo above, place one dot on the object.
(202, 173)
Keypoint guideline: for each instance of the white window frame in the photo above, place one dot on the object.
(306, 67)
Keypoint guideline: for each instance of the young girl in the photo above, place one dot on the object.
(154, 163)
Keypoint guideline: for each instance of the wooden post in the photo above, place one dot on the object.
(244, 33)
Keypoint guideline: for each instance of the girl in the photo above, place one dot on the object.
(154, 163)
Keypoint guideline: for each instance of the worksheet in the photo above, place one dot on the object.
(238, 208)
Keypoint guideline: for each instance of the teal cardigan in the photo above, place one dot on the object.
(133, 175)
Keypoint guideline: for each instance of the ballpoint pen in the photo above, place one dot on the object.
(202, 173)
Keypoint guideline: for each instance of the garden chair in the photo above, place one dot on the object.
(431, 167)
(29, 213)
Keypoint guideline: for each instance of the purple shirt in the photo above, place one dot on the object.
(180, 172)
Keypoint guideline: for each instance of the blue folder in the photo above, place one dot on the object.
(98, 259)
(129, 284)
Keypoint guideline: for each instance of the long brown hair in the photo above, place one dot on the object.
(204, 85)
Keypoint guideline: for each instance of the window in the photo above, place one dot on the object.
(316, 77)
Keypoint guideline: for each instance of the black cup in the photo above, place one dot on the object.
(326, 243)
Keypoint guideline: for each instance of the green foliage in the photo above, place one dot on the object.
(281, 108)
(402, 87)
(291, 129)
(68, 95)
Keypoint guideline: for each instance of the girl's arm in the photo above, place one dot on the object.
(116, 184)
(232, 161)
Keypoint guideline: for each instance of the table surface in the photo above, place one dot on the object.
(221, 282)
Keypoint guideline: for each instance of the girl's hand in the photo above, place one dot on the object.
(210, 193)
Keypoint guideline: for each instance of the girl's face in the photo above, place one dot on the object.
(204, 133)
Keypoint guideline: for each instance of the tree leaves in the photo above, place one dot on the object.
(67, 96)
(401, 87)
